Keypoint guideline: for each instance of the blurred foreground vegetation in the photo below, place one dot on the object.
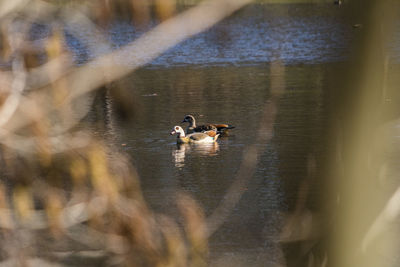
(67, 198)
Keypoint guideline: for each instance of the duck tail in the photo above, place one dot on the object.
(224, 127)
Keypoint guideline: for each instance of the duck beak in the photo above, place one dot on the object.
(184, 121)
(173, 132)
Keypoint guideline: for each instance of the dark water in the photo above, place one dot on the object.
(223, 76)
(236, 95)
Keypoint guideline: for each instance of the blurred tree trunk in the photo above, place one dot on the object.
(359, 113)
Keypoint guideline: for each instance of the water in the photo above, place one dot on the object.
(301, 33)
(223, 76)
(228, 94)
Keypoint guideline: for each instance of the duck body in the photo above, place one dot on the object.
(196, 137)
(221, 129)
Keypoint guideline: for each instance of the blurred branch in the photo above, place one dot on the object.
(38, 77)
(7, 7)
(12, 101)
(82, 80)
(251, 154)
(388, 217)
(152, 44)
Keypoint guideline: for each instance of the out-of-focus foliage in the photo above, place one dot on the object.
(65, 196)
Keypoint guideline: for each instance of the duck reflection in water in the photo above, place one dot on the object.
(205, 149)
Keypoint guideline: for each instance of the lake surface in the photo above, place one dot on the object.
(223, 75)
(236, 95)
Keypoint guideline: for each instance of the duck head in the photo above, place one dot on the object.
(178, 130)
(190, 119)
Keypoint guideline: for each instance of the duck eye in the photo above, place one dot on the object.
(176, 128)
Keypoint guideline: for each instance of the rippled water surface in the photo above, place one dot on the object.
(301, 33)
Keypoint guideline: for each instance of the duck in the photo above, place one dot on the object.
(182, 138)
(221, 129)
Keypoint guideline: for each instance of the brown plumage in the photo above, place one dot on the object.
(182, 138)
(211, 133)
(221, 129)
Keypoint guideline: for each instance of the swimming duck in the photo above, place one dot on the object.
(193, 137)
(219, 128)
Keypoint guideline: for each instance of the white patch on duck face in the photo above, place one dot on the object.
(178, 130)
